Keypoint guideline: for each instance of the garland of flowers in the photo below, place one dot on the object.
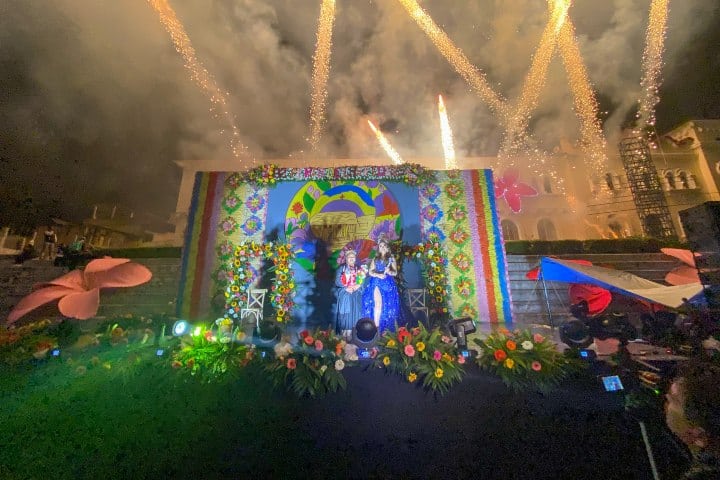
(283, 287)
(314, 366)
(431, 256)
(426, 356)
(269, 175)
(524, 360)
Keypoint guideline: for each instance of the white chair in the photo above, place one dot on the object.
(255, 304)
(416, 301)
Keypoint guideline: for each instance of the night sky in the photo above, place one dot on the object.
(95, 103)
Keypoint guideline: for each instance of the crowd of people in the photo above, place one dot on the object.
(60, 254)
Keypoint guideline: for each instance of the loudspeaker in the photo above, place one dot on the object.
(702, 229)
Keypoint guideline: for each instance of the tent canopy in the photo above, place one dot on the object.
(618, 281)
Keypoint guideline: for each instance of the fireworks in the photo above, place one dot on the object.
(392, 153)
(586, 107)
(321, 70)
(198, 73)
(446, 135)
(456, 57)
(652, 62)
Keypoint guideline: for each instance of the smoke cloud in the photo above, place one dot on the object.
(96, 104)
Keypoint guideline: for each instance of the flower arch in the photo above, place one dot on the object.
(282, 290)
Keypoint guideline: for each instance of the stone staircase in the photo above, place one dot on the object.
(158, 295)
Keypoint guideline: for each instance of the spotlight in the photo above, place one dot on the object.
(365, 335)
(268, 332)
(180, 328)
(459, 328)
(575, 334)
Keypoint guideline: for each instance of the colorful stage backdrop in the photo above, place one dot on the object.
(320, 211)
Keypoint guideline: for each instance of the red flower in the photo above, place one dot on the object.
(304, 333)
(291, 364)
(500, 355)
(403, 334)
(309, 340)
(297, 208)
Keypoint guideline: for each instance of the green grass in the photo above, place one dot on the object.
(140, 419)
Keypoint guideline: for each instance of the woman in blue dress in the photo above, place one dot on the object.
(381, 299)
(348, 280)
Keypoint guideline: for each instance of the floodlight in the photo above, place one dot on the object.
(180, 328)
(459, 328)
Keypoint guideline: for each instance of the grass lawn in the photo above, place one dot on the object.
(121, 412)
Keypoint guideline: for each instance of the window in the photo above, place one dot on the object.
(546, 230)
(509, 230)
(669, 183)
(686, 180)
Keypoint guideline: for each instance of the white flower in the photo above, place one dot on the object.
(430, 252)
(433, 264)
(339, 365)
(282, 349)
(527, 345)
(351, 352)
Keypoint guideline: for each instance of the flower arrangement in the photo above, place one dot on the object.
(420, 355)
(314, 366)
(25, 343)
(524, 360)
(269, 175)
(210, 357)
(283, 286)
(433, 260)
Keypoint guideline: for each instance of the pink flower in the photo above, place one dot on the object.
(509, 188)
(538, 338)
(79, 290)
(461, 360)
(437, 355)
(291, 364)
(409, 350)
(318, 345)
(445, 339)
(309, 340)
(373, 352)
(536, 366)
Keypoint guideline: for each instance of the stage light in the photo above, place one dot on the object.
(268, 332)
(460, 328)
(575, 334)
(55, 352)
(180, 328)
(365, 335)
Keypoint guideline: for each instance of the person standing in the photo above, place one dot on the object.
(49, 247)
(381, 298)
(348, 280)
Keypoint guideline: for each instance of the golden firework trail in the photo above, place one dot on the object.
(447, 136)
(198, 73)
(472, 75)
(515, 130)
(321, 70)
(652, 63)
(392, 153)
(586, 107)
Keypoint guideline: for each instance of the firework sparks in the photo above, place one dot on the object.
(535, 79)
(392, 153)
(447, 136)
(455, 57)
(586, 106)
(652, 62)
(198, 73)
(321, 70)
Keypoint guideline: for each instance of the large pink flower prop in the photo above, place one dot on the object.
(79, 290)
(509, 188)
(683, 274)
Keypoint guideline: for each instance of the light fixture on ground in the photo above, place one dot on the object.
(365, 335)
(268, 332)
(181, 327)
(460, 328)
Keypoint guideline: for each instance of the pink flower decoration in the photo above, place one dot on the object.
(683, 274)
(538, 338)
(536, 366)
(318, 345)
(461, 359)
(409, 350)
(79, 290)
(509, 188)
(437, 355)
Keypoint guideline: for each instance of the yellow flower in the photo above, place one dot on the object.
(412, 377)
(390, 343)
(439, 372)
(509, 363)
(446, 357)
(386, 361)
(420, 346)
